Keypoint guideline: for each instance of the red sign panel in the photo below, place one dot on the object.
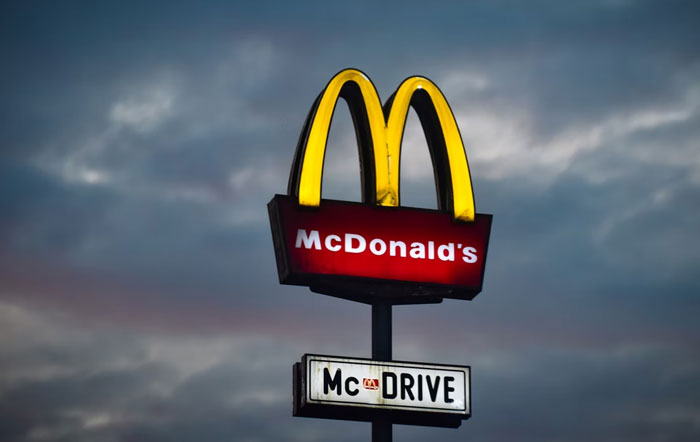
(346, 249)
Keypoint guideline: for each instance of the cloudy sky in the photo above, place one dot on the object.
(141, 141)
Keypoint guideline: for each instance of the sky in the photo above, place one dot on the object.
(141, 141)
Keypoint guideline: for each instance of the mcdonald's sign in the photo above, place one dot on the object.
(377, 248)
(412, 393)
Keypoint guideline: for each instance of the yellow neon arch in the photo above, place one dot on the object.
(460, 178)
(314, 152)
(385, 138)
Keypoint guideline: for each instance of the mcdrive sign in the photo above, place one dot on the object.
(377, 249)
(356, 389)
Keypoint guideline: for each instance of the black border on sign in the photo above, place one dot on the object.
(363, 289)
(308, 361)
(302, 408)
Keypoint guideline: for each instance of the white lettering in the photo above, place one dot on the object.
(377, 246)
(393, 245)
(361, 243)
(308, 240)
(356, 243)
(417, 250)
(469, 255)
(446, 252)
(329, 243)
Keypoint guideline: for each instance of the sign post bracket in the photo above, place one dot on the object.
(381, 351)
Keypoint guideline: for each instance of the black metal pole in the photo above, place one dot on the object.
(381, 351)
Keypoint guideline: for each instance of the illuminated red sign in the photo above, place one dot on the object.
(425, 252)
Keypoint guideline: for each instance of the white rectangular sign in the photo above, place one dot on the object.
(387, 385)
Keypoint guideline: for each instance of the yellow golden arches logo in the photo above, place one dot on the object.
(379, 134)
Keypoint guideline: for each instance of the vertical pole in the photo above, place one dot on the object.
(381, 351)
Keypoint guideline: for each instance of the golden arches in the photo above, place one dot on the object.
(382, 135)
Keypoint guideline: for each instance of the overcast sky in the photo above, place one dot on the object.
(141, 141)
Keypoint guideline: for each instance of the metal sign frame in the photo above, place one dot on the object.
(305, 406)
